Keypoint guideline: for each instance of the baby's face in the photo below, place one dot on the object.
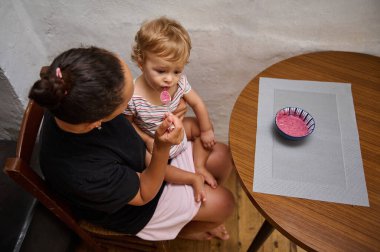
(159, 73)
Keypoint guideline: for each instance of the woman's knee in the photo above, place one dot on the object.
(220, 153)
(224, 203)
(219, 206)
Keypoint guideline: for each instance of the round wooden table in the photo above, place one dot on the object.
(311, 224)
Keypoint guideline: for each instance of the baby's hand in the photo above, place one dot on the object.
(208, 139)
(210, 180)
(199, 188)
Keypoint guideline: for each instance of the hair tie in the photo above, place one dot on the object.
(58, 73)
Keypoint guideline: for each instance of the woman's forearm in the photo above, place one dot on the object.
(153, 176)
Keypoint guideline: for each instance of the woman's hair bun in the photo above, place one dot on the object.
(49, 91)
(81, 85)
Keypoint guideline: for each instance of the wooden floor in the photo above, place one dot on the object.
(242, 226)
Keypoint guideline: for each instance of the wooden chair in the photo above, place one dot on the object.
(20, 170)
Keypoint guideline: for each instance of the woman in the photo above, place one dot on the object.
(93, 158)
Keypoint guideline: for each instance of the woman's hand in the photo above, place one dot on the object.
(181, 109)
(170, 131)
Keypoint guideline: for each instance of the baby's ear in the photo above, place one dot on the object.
(140, 63)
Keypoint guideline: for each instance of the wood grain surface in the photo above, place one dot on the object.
(311, 224)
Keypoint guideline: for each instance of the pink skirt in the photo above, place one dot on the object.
(176, 206)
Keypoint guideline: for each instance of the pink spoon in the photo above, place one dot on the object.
(166, 99)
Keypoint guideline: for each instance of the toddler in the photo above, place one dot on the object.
(161, 51)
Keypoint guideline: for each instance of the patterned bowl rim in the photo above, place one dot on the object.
(311, 121)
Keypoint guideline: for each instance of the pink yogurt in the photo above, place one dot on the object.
(291, 125)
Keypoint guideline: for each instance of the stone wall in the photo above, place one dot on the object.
(232, 40)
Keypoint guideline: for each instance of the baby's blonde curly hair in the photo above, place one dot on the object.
(164, 38)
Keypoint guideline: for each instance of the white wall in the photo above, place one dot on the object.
(232, 40)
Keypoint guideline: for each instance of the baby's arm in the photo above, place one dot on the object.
(148, 140)
(200, 110)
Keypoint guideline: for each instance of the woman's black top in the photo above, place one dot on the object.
(96, 172)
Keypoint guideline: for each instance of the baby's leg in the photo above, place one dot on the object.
(191, 128)
(220, 163)
(200, 154)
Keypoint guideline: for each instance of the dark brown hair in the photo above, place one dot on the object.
(89, 90)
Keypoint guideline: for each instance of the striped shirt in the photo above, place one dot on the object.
(148, 116)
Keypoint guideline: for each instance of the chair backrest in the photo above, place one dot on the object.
(20, 170)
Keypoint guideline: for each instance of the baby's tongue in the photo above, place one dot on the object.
(165, 96)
